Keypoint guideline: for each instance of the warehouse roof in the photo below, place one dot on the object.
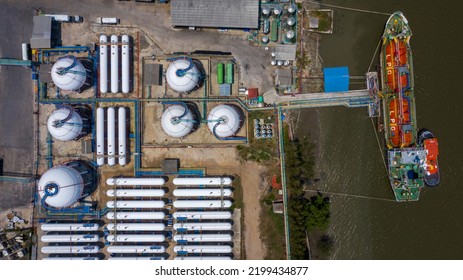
(218, 13)
(41, 33)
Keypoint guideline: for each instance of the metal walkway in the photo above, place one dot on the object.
(352, 99)
(15, 62)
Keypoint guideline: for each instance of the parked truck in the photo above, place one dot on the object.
(107, 20)
(62, 18)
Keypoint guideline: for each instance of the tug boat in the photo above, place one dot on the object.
(427, 140)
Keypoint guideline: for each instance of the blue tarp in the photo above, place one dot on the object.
(336, 79)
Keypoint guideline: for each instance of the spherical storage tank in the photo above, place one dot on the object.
(65, 124)
(177, 121)
(68, 73)
(62, 186)
(224, 120)
(183, 75)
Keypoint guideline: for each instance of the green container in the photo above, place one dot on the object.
(274, 31)
(229, 73)
(220, 73)
(260, 99)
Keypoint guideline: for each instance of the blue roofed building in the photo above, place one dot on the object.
(336, 79)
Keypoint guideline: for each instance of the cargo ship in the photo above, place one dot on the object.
(405, 159)
(427, 140)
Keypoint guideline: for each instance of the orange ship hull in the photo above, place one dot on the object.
(399, 115)
(396, 56)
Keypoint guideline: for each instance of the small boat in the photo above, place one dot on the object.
(427, 140)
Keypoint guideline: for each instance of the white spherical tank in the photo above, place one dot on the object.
(182, 75)
(68, 74)
(176, 122)
(225, 120)
(62, 186)
(65, 124)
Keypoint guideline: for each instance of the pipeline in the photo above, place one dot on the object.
(227, 138)
(185, 112)
(182, 72)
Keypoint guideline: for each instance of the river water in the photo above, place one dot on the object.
(350, 160)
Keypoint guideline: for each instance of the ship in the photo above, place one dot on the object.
(430, 144)
(405, 159)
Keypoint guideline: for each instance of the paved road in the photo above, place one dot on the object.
(16, 104)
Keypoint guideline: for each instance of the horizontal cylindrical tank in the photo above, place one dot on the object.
(65, 124)
(70, 227)
(203, 237)
(202, 192)
(135, 193)
(71, 259)
(135, 215)
(111, 136)
(176, 122)
(61, 186)
(220, 67)
(229, 73)
(103, 64)
(114, 64)
(136, 227)
(125, 63)
(120, 249)
(122, 135)
(80, 238)
(203, 226)
(136, 238)
(136, 258)
(100, 136)
(206, 181)
(70, 249)
(203, 249)
(203, 215)
(136, 204)
(136, 181)
(190, 204)
(202, 258)
(266, 27)
(25, 51)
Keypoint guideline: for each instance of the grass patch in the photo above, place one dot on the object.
(324, 20)
(272, 228)
(237, 193)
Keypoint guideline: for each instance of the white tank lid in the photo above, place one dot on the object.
(69, 130)
(184, 83)
(74, 79)
(227, 119)
(64, 185)
(172, 125)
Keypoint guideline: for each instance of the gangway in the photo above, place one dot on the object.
(16, 62)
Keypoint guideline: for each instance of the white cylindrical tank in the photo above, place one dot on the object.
(202, 192)
(291, 21)
(135, 215)
(62, 185)
(136, 181)
(190, 204)
(122, 135)
(25, 51)
(111, 136)
(291, 8)
(136, 258)
(100, 136)
(135, 193)
(202, 258)
(206, 181)
(114, 64)
(71, 259)
(174, 126)
(203, 237)
(136, 227)
(265, 39)
(125, 63)
(62, 129)
(68, 73)
(204, 249)
(120, 249)
(136, 238)
(182, 82)
(80, 238)
(70, 249)
(290, 34)
(203, 215)
(136, 204)
(266, 10)
(103, 64)
(225, 119)
(203, 226)
(277, 11)
(70, 227)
